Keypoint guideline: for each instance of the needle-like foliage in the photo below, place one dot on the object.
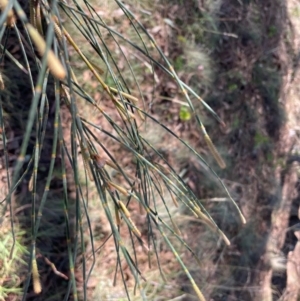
(46, 45)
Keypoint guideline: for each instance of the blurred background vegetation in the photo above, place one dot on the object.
(120, 128)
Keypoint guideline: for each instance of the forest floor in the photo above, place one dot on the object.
(243, 60)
